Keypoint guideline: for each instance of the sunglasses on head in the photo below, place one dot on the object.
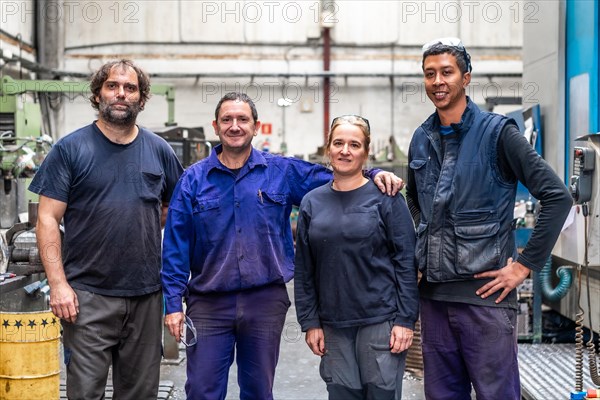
(450, 42)
(348, 118)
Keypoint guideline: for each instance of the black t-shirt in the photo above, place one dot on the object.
(114, 195)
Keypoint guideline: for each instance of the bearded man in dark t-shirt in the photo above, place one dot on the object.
(111, 182)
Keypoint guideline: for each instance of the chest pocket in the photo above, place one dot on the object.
(205, 205)
(272, 199)
(207, 212)
(152, 186)
(419, 168)
(272, 213)
(417, 164)
(477, 248)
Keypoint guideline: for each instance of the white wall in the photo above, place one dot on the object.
(545, 71)
(279, 37)
(17, 18)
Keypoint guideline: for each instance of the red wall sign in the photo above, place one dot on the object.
(266, 128)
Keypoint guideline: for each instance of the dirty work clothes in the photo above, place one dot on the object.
(232, 231)
(465, 343)
(124, 332)
(358, 363)
(114, 194)
(246, 325)
(515, 160)
(465, 226)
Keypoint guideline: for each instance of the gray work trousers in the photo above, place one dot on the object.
(358, 363)
(122, 332)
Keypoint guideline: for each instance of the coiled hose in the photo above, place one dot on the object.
(594, 374)
(579, 346)
(565, 275)
(579, 350)
(590, 344)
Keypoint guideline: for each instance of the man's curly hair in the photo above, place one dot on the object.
(103, 73)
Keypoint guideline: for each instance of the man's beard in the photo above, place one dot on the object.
(120, 117)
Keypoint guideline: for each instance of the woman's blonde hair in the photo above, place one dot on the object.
(355, 120)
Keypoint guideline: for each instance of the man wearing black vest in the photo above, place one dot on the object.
(464, 168)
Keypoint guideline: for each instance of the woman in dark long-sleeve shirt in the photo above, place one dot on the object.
(356, 280)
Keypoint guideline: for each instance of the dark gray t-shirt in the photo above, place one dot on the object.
(114, 195)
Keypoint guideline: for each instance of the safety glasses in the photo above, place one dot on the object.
(349, 118)
(450, 42)
(189, 325)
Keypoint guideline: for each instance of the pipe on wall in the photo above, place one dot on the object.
(326, 81)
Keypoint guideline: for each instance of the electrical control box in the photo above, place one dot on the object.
(583, 171)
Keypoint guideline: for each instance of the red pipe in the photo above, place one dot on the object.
(326, 82)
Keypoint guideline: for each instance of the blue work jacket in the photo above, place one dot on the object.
(227, 232)
(466, 221)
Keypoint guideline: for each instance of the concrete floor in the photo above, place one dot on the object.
(296, 379)
(297, 376)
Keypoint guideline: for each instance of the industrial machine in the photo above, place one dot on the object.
(23, 147)
(190, 144)
(564, 73)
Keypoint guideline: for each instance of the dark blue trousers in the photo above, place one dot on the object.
(244, 325)
(466, 345)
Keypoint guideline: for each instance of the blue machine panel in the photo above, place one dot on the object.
(582, 69)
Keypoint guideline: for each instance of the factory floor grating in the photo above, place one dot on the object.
(548, 371)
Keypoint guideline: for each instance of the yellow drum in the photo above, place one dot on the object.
(29, 356)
